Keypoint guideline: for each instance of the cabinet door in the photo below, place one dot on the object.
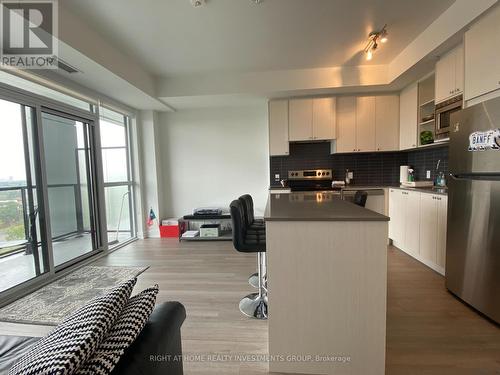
(428, 227)
(278, 127)
(387, 123)
(459, 69)
(395, 210)
(365, 123)
(442, 217)
(482, 65)
(445, 76)
(300, 120)
(346, 124)
(323, 118)
(412, 222)
(408, 115)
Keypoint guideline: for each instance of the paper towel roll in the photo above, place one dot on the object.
(403, 173)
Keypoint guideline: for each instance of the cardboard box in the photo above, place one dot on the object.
(209, 230)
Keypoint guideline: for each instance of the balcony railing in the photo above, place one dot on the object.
(26, 241)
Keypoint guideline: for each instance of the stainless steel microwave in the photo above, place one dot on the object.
(443, 113)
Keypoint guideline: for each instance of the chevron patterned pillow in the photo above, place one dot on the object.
(123, 333)
(74, 341)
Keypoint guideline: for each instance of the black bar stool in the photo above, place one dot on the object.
(360, 198)
(250, 219)
(253, 226)
(255, 304)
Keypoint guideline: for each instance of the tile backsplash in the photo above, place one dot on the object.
(381, 168)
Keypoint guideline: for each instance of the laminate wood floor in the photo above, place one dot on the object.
(428, 330)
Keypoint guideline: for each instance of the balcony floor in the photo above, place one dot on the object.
(18, 268)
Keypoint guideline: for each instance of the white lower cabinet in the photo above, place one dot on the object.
(404, 211)
(418, 225)
(441, 233)
(412, 222)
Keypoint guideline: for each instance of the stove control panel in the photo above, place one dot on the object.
(311, 174)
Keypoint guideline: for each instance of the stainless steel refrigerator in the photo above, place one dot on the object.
(473, 239)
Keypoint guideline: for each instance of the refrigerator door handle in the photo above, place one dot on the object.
(475, 176)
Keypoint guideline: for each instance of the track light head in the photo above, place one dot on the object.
(373, 41)
(197, 3)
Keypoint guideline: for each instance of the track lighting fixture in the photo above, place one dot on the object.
(197, 3)
(373, 41)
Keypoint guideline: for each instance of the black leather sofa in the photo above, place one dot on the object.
(157, 350)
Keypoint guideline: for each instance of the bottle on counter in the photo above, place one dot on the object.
(347, 178)
(411, 174)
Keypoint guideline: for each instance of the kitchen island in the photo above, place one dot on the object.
(327, 276)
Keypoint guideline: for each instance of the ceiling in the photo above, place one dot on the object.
(172, 38)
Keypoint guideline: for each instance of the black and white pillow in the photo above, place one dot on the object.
(74, 341)
(123, 333)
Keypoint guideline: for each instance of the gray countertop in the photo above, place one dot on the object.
(429, 190)
(310, 206)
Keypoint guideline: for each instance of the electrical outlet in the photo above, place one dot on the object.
(350, 175)
(277, 177)
(428, 174)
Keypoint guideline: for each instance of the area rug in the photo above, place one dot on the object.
(50, 304)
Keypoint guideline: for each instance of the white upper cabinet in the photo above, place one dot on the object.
(365, 123)
(408, 115)
(450, 74)
(312, 119)
(300, 119)
(387, 123)
(346, 124)
(482, 63)
(323, 121)
(278, 128)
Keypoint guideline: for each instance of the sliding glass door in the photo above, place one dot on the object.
(71, 185)
(65, 171)
(22, 255)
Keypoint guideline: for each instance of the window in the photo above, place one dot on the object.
(118, 179)
(22, 256)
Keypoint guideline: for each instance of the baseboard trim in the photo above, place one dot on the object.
(431, 265)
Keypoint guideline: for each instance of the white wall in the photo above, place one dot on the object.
(151, 170)
(211, 156)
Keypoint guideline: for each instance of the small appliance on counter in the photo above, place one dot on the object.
(348, 177)
(403, 173)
